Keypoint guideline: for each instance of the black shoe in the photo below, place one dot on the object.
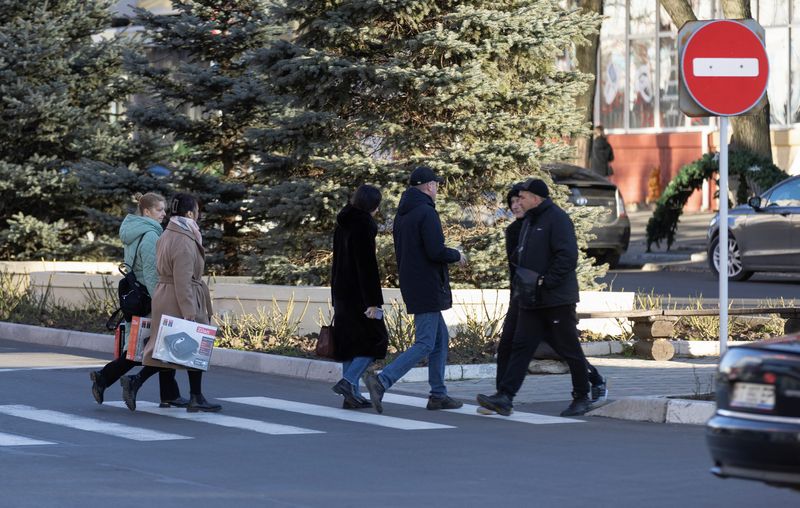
(600, 390)
(199, 403)
(500, 403)
(435, 403)
(97, 386)
(578, 407)
(376, 391)
(361, 398)
(179, 402)
(347, 390)
(362, 404)
(130, 387)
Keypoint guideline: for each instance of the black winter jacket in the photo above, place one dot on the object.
(548, 245)
(356, 285)
(422, 257)
(512, 242)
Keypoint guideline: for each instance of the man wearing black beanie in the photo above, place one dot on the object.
(545, 290)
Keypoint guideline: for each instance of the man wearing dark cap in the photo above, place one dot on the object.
(547, 256)
(422, 260)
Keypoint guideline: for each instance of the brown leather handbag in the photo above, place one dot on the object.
(325, 347)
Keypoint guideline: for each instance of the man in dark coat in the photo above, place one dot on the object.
(548, 247)
(422, 260)
(602, 153)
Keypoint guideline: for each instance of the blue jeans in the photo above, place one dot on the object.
(431, 342)
(352, 370)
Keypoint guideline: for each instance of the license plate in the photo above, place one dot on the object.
(753, 395)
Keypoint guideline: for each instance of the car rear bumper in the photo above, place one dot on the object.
(614, 236)
(755, 447)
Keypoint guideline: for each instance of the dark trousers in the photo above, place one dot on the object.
(115, 369)
(507, 339)
(559, 327)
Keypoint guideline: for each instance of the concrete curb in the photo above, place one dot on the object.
(658, 409)
(303, 368)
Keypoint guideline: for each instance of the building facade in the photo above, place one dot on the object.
(637, 93)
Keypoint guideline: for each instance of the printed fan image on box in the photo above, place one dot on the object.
(185, 342)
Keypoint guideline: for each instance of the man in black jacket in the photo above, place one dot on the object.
(548, 247)
(422, 260)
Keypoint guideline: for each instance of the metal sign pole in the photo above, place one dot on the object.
(723, 235)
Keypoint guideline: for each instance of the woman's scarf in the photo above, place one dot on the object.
(188, 224)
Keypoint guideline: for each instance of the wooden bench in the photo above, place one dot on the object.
(652, 328)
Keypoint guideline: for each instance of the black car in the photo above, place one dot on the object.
(587, 188)
(755, 433)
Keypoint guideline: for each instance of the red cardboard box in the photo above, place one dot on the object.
(137, 338)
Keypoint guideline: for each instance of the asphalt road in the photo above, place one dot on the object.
(312, 459)
(697, 282)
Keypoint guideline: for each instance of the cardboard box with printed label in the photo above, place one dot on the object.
(185, 342)
(138, 337)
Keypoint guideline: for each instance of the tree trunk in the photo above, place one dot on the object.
(679, 11)
(749, 132)
(586, 56)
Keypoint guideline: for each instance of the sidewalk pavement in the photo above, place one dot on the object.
(626, 377)
(688, 249)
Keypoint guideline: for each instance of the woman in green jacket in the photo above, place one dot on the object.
(139, 234)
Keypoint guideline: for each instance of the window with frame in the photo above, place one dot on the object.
(638, 63)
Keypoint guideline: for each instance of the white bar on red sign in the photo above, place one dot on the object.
(725, 67)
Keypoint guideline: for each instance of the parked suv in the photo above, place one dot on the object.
(763, 235)
(587, 188)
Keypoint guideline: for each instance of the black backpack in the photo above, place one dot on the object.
(134, 300)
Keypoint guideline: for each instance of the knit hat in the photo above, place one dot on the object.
(536, 186)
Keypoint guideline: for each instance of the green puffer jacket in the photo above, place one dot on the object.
(131, 229)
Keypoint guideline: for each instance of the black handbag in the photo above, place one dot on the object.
(525, 287)
(325, 344)
(134, 300)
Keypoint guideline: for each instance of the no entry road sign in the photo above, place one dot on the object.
(724, 66)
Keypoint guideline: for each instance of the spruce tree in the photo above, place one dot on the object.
(201, 93)
(60, 72)
(471, 89)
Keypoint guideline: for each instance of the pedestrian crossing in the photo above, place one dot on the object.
(223, 420)
(338, 414)
(139, 431)
(73, 421)
(468, 409)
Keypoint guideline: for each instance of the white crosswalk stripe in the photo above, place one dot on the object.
(338, 414)
(219, 419)
(13, 440)
(88, 424)
(468, 409)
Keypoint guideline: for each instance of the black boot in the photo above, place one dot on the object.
(500, 403)
(130, 387)
(376, 391)
(98, 386)
(179, 402)
(347, 390)
(580, 405)
(199, 403)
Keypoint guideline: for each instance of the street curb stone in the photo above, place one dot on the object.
(303, 368)
(657, 409)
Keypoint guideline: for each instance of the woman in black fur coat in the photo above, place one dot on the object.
(359, 333)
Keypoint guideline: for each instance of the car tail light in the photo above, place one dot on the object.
(620, 204)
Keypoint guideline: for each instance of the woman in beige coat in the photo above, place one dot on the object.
(181, 292)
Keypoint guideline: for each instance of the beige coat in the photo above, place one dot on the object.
(180, 291)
